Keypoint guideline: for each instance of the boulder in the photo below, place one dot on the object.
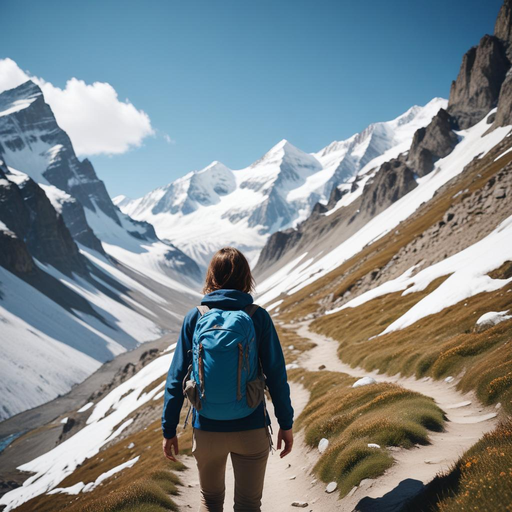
(331, 487)
(323, 445)
(392, 181)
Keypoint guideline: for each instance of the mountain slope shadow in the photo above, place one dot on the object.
(394, 500)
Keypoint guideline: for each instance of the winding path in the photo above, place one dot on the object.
(290, 479)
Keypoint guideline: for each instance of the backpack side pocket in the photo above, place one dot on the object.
(191, 392)
(255, 391)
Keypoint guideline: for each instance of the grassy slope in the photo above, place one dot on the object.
(351, 418)
(439, 345)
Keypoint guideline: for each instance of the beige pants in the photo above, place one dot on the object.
(249, 453)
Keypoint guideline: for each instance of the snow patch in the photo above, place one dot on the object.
(81, 487)
(493, 318)
(86, 407)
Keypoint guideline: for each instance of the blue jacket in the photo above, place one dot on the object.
(272, 360)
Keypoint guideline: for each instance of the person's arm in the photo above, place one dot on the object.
(173, 397)
(274, 368)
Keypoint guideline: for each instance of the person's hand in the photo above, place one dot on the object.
(286, 436)
(167, 446)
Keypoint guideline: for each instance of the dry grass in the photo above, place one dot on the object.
(146, 487)
(351, 418)
(480, 481)
(292, 344)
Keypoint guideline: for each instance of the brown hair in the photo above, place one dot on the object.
(228, 269)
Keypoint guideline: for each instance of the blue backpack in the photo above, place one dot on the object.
(225, 380)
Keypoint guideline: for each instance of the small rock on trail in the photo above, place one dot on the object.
(331, 487)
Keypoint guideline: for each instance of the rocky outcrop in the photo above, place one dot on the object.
(431, 143)
(28, 214)
(14, 255)
(477, 87)
(336, 195)
(393, 180)
(504, 113)
(277, 244)
(47, 236)
(503, 26)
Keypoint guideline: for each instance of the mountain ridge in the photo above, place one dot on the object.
(275, 192)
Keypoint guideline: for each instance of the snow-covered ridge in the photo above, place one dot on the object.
(217, 206)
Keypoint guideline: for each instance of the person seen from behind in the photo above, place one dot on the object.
(228, 351)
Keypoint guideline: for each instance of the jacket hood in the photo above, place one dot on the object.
(227, 299)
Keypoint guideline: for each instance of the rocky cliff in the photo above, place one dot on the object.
(477, 87)
(30, 217)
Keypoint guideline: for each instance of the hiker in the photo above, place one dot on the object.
(227, 351)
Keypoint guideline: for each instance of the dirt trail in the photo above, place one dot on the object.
(286, 480)
(468, 420)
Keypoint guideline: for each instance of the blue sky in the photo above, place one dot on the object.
(226, 80)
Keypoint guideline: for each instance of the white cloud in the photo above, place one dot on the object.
(168, 139)
(11, 75)
(92, 114)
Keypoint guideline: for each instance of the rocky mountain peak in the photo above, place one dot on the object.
(503, 26)
(31, 140)
(19, 98)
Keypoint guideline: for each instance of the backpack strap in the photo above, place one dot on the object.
(251, 309)
(203, 309)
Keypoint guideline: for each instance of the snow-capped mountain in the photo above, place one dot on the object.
(80, 281)
(218, 206)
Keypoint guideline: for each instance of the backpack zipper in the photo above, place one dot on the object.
(247, 359)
